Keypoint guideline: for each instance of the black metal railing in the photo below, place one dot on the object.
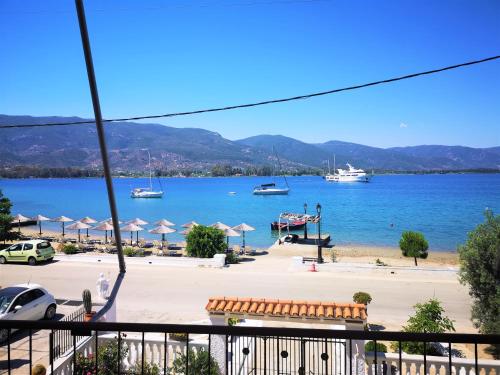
(201, 349)
(60, 340)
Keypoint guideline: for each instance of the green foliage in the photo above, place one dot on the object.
(69, 249)
(149, 369)
(87, 301)
(414, 244)
(232, 258)
(205, 242)
(7, 232)
(232, 321)
(178, 336)
(199, 363)
(333, 256)
(370, 347)
(362, 297)
(380, 263)
(480, 270)
(429, 318)
(107, 355)
(128, 251)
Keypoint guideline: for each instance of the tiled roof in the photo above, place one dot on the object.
(286, 308)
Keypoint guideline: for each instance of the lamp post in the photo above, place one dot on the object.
(305, 227)
(320, 257)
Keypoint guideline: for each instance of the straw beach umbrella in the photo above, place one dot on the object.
(219, 225)
(62, 220)
(162, 229)
(104, 227)
(230, 233)
(19, 219)
(165, 222)
(131, 228)
(138, 221)
(110, 221)
(88, 220)
(243, 227)
(39, 219)
(190, 224)
(78, 225)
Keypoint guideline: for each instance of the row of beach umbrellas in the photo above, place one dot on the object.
(135, 225)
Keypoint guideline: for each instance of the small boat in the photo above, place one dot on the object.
(270, 189)
(290, 225)
(147, 192)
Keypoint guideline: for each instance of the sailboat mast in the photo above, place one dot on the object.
(279, 164)
(150, 182)
(334, 164)
(329, 171)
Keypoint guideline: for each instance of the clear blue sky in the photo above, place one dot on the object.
(163, 56)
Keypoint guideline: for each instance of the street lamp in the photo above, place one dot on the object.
(305, 227)
(320, 257)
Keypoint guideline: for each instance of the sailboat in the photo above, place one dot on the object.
(147, 192)
(271, 188)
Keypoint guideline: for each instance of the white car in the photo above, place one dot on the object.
(25, 302)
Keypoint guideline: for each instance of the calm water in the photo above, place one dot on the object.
(443, 207)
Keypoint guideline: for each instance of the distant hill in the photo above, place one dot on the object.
(194, 148)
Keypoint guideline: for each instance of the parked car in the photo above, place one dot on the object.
(32, 251)
(25, 302)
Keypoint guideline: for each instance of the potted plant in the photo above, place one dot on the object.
(87, 305)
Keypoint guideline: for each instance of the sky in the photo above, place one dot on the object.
(154, 57)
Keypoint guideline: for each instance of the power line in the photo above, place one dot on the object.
(273, 101)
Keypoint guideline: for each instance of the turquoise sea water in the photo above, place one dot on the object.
(443, 207)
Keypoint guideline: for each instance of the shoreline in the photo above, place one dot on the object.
(351, 253)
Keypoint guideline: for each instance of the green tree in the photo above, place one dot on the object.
(362, 297)
(429, 318)
(480, 270)
(205, 242)
(199, 363)
(6, 230)
(414, 244)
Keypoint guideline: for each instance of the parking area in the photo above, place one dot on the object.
(20, 343)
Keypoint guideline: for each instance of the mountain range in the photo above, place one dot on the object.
(194, 148)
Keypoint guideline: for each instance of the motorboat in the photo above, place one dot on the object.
(350, 175)
(289, 225)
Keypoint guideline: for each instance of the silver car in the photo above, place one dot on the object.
(25, 302)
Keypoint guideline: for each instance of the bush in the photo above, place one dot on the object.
(205, 242)
(414, 244)
(178, 336)
(232, 321)
(362, 297)
(370, 347)
(107, 355)
(429, 318)
(380, 263)
(69, 249)
(199, 363)
(128, 251)
(149, 369)
(232, 258)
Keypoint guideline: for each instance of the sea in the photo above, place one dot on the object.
(445, 207)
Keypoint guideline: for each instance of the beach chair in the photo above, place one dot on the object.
(249, 250)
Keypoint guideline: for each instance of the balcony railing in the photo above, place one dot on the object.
(134, 348)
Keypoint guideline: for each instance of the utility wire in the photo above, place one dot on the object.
(273, 101)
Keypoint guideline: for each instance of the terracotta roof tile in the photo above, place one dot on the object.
(283, 308)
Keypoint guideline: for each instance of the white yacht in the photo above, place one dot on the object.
(147, 192)
(350, 175)
(271, 188)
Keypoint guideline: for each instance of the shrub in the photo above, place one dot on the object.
(178, 336)
(128, 251)
(232, 258)
(429, 318)
(414, 244)
(205, 242)
(107, 355)
(380, 263)
(370, 347)
(69, 249)
(232, 321)
(333, 256)
(199, 363)
(362, 297)
(147, 369)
